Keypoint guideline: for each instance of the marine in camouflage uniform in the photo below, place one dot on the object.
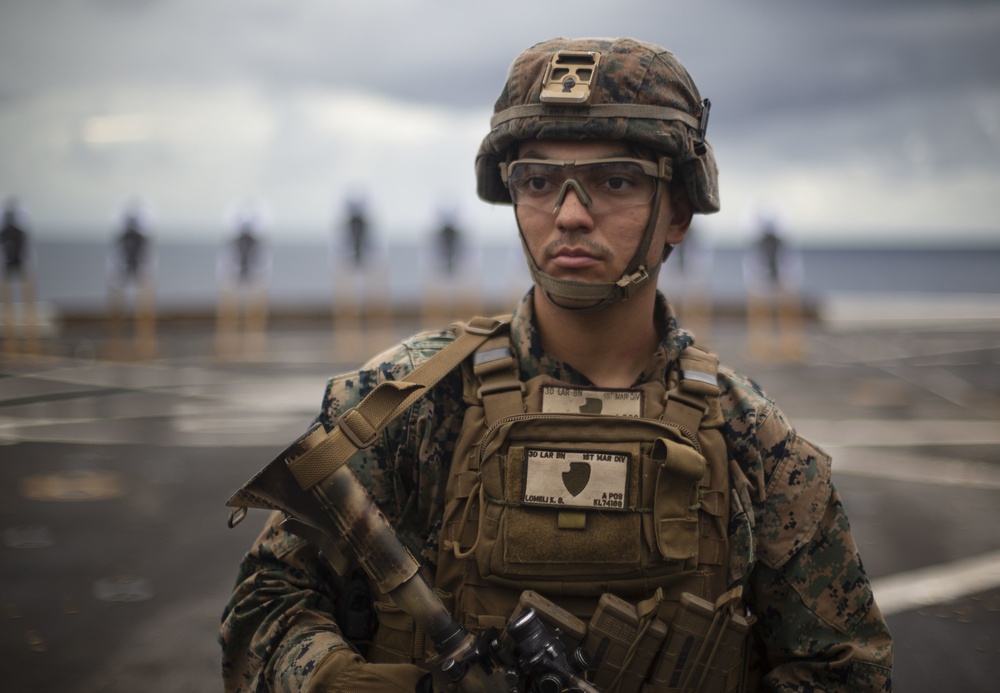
(817, 626)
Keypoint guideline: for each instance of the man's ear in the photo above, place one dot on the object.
(681, 214)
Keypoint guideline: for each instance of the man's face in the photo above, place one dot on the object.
(578, 244)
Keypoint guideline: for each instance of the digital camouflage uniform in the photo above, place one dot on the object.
(817, 629)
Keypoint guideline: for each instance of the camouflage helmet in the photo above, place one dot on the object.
(618, 89)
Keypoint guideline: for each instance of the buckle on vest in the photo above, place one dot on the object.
(483, 326)
(499, 385)
(684, 396)
(357, 429)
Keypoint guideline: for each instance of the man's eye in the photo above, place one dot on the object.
(619, 184)
(536, 184)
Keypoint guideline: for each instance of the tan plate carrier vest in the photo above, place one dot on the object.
(671, 532)
(665, 536)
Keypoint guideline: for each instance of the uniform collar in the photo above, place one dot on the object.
(534, 361)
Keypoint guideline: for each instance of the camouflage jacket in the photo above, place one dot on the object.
(818, 627)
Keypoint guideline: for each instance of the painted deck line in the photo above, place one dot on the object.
(853, 310)
(898, 465)
(835, 433)
(937, 584)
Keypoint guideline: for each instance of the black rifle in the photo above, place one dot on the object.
(336, 511)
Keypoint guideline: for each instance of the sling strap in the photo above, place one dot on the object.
(359, 427)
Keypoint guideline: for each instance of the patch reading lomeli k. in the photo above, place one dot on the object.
(573, 479)
(557, 399)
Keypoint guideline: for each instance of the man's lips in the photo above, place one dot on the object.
(574, 258)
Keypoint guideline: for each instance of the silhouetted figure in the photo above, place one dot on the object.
(17, 273)
(243, 276)
(14, 240)
(131, 270)
(769, 247)
(772, 272)
(361, 309)
(247, 247)
(132, 248)
(449, 238)
(450, 280)
(357, 231)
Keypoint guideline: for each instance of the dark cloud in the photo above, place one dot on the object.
(761, 56)
(906, 86)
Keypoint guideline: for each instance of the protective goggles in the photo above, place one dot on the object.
(603, 185)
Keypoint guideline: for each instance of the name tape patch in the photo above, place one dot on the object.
(579, 400)
(573, 479)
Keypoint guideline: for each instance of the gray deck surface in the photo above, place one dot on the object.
(116, 560)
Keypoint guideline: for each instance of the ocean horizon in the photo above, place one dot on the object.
(73, 276)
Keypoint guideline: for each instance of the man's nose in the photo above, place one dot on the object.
(572, 213)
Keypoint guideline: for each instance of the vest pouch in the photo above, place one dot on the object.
(397, 639)
(394, 641)
(564, 498)
(675, 503)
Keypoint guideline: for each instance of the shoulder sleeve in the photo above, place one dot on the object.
(818, 627)
(781, 479)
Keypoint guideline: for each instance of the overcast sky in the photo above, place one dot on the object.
(859, 120)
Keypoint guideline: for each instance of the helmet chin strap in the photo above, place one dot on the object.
(599, 295)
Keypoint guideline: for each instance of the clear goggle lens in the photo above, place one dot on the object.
(603, 185)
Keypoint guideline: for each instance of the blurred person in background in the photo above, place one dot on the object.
(588, 453)
(132, 281)
(360, 284)
(450, 277)
(772, 272)
(449, 242)
(357, 231)
(243, 271)
(19, 317)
